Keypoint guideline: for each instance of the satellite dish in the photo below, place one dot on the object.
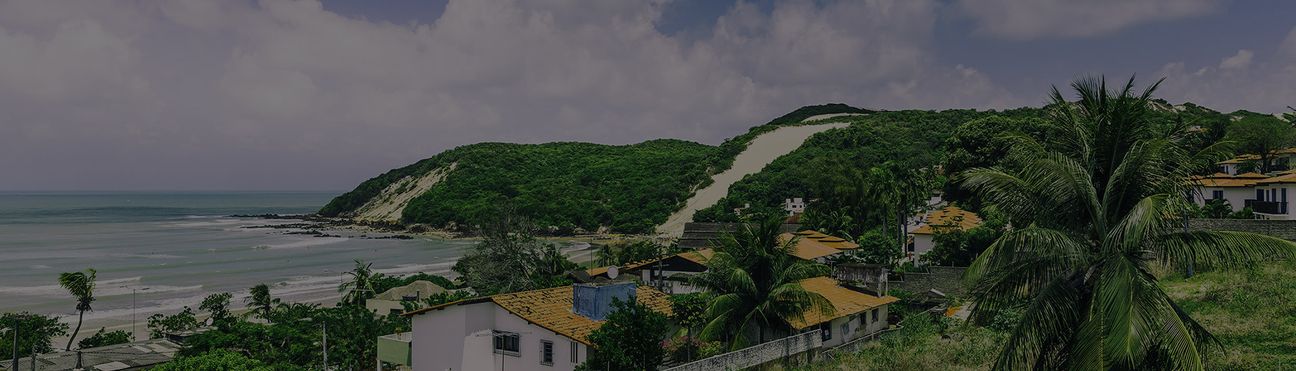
(612, 272)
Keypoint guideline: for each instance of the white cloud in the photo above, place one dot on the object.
(1238, 61)
(1242, 80)
(1043, 19)
(285, 94)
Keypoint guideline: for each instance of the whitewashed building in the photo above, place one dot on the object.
(949, 218)
(531, 330)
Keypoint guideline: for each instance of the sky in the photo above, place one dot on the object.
(309, 95)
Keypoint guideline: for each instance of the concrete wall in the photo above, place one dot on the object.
(948, 280)
(922, 243)
(789, 347)
(1284, 229)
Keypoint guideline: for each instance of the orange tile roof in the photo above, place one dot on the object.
(1226, 182)
(845, 301)
(696, 256)
(949, 217)
(1287, 178)
(552, 309)
(1251, 175)
(808, 248)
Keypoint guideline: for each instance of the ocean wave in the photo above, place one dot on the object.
(103, 288)
(314, 241)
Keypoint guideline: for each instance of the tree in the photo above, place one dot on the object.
(1261, 135)
(260, 301)
(103, 338)
(81, 286)
(757, 283)
(360, 286)
(985, 143)
(36, 332)
(216, 360)
(509, 259)
(1095, 210)
(1217, 209)
(159, 325)
(876, 246)
(629, 340)
(217, 306)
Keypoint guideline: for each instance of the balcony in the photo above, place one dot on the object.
(1267, 207)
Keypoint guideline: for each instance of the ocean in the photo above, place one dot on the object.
(159, 252)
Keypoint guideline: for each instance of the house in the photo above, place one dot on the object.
(139, 355)
(545, 329)
(1234, 189)
(1270, 200)
(854, 315)
(1279, 160)
(794, 206)
(949, 218)
(390, 301)
(671, 273)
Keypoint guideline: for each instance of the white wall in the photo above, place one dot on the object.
(460, 338)
(672, 286)
(855, 330)
(1236, 196)
(922, 244)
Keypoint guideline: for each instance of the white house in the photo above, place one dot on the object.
(947, 219)
(1236, 190)
(1270, 200)
(390, 301)
(544, 329)
(855, 314)
(794, 206)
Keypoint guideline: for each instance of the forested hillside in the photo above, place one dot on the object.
(632, 188)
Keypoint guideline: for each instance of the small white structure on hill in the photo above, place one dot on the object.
(794, 206)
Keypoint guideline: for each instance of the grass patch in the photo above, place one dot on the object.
(1251, 311)
(924, 343)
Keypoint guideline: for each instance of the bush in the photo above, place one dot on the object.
(103, 339)
(216, 360)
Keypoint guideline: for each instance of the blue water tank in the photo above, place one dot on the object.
(594, 301)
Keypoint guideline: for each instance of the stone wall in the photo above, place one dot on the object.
(1284, 229)
(948, 280)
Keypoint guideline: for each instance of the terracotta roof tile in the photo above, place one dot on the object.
(845, 301)
(552, 309)
(949, 217)
(808, 248)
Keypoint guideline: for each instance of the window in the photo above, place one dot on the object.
(845, 328)
(825, 331)
(575, 350)
(875, 312)
(863, 320)
(546, 352)
(1217, 194)
(506, 342)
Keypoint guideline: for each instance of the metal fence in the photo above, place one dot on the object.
(756, 355)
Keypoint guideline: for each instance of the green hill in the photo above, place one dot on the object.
(632, 188)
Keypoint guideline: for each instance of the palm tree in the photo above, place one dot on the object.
(260, 301)
(756, 282)
(1097, 208)
(361, 285)
(80, 285)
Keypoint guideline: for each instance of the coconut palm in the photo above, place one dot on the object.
(260, 300)
(361, 285)
(756, 282)
(80, 285)
(1097, 208)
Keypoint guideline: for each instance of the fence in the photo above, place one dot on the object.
(756, 355)
(1284, 229)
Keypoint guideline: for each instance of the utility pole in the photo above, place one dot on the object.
(15, 344)
(326, 346)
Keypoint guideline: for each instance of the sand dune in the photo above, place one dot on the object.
(760, 152)
(390, 204)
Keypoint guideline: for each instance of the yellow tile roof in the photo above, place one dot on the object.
(1227, 181)
(1286, 178)
(845, 301)
(1251, 175)
(808, 248)
(596, 271)
(552, 309)
(949, 217)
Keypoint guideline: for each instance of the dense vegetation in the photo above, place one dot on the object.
(566, 186)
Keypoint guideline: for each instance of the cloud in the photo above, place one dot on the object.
(1242, 80)
(1045, 19)
(1238, 61)
(287, 95)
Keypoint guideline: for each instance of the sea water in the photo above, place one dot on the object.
(160, 252)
